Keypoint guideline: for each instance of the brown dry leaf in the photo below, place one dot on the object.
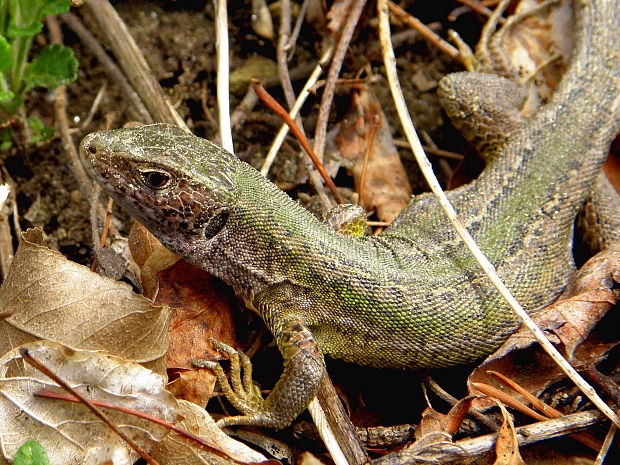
(69, 431)
(386, 186)
(569, 322)
(203, 309)
(142, 244)
(433, 421)
(436, 429)
(192, 385)
(540, 45)
(506, 445)
(175, 450)
(151, 257)
(254, 67)
(50, 297)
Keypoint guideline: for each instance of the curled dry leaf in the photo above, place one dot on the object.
(436, 422)
(203, 310)
(68, 431)
(365, 129)
(435, 432)
(568, 322)
(50, 297)
(507, 445)
(176, 450)
(151, 257)
(541, 45)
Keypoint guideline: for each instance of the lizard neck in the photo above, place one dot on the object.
(267, 237)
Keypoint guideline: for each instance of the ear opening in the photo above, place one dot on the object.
(216, 222)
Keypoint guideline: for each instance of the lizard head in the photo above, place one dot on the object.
(179, 186)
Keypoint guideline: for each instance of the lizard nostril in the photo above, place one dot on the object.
(92, 149)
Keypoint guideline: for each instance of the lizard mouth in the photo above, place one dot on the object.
(100, 162)
(90, 151)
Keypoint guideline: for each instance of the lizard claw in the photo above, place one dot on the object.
(303, 369)
(238, 386)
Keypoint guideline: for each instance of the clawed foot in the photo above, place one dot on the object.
(242, 392)
(238, 387)
(303, 369)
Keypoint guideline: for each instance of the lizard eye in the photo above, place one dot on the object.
(157, 180)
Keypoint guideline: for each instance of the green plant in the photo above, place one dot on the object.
(31, 453)
(20, 21)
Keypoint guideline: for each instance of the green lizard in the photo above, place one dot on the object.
(412, 297)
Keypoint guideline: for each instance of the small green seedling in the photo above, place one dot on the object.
(20, 21)
(31, 453)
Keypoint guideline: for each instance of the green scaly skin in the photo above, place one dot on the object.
(412, 297)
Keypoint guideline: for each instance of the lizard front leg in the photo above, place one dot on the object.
(304, 367)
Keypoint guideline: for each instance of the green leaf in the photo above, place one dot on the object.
(6, 142)
(6, 96)
(40, 132)
(6, 59)
(24, 31)
(54, 67)
(31, 453)
(26, 16)
(9, 102)
(53, 7)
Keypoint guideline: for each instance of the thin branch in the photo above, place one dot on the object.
(62, 121)
(290, 45)
(115, 74)
(425, 31)
(281, 112)
(326, 433)
(133, 63)
(478, 8)
(470, 449)
(283, 36)
(485, 264)
(301, 99)
(332, 75)
(609, 437)
(223, 68)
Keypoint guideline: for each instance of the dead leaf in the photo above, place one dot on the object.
(506, 445)
(434, 421)
(365, 129)
(175, 449)
(192, 385)
(151, 257)
(568, 322)
(540, 45)
(68, 431)
(50, 297)
(203, 309)
(256, 66)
